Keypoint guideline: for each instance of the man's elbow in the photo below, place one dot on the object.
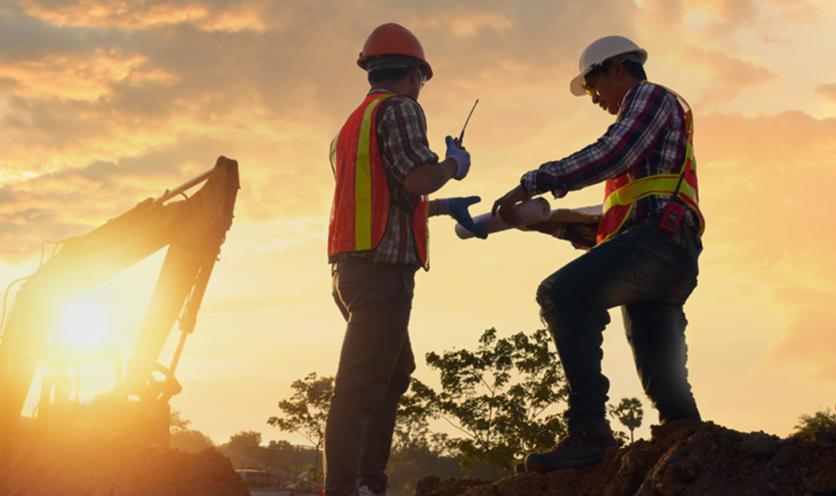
(425, 179)
(420, 185)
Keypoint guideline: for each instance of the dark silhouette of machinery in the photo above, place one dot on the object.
(193, 229)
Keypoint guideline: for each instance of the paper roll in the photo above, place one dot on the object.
(530, 212)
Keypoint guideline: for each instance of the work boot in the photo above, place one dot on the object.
(578, 449)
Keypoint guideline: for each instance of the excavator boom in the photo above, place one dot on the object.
(193, 229)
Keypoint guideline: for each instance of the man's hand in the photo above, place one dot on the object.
(550, 227)
(582, 236)
(457, 208)
(504, 206)
(456, 151)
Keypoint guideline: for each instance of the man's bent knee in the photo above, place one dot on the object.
(556, 299)
(546, 297)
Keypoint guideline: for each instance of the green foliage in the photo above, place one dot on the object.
(412, 427)
(630, 413)
(809, 425)
(307, 411)
(500, 397)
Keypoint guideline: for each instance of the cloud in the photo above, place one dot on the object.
(827, 90)
(698, 39)
(731, 75)
(132, 15)
(765, 190)
(810, 341)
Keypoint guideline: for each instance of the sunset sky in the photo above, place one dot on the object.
(106, 103)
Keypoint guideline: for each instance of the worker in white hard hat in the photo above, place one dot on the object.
(378, 238)
(645, 250)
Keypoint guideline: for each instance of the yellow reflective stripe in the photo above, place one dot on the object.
(689, 155)
(662, 184)
(363, 181)
(333, 154)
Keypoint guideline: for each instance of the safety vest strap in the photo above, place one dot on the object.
(661, 185)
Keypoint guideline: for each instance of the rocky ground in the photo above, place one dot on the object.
(682, 459)
(116, 469)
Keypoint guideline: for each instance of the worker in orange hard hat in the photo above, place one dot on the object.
(377, 239)
(645, 250)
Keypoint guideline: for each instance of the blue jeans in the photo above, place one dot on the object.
(376, 363)
(650, 275)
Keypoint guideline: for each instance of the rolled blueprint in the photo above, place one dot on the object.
(529, 212)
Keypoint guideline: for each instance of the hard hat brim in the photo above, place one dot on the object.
(576, 84)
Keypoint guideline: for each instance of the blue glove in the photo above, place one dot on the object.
(457, 209)
(460, 155)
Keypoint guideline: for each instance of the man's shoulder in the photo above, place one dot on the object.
(403, 104)
(646, 88)
(648, 93)
(660, 89)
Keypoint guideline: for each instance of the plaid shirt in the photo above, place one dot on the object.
(649, 137)
(403, 145)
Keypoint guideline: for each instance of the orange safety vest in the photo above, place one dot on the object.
(622, 192)
(360, 210)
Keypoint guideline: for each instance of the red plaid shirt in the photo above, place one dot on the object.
(648, 137)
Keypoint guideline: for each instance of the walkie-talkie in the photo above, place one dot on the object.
(672, 216)
(674, 211)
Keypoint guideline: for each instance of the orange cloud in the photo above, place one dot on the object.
(141, 15)
(827, 90)
(766, 189)
(731, 75)
(810, 341)
(80, 77)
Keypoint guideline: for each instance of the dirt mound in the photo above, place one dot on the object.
(116, 469)
(682, 459)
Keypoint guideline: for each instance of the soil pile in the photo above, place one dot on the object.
(682, 459)
(65, 468)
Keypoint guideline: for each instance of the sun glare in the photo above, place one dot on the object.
(83, 323)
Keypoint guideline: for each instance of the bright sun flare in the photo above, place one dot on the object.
(83, 322)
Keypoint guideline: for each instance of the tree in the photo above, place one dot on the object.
(244, 442)
(629, 412)
(412, 427)
(809, 425)
(306, 411)
(502, 397)
(177, 422)
(190, 441)
(184, 439)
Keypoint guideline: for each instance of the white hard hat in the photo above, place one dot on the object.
(600, 50)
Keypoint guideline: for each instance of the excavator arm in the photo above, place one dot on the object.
(193, 229)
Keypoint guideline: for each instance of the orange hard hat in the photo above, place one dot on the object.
(393, 39)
